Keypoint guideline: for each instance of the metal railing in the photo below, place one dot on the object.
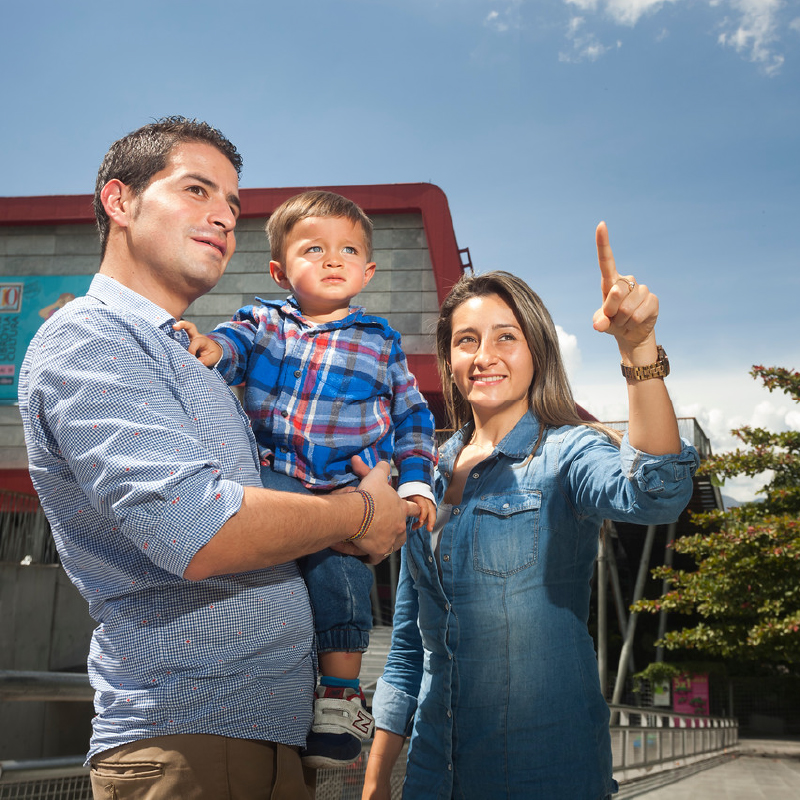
(643, 741)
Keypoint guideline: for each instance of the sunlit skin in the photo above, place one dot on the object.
(325, 266)
(179, 231)
(492, 368)
(491, 363)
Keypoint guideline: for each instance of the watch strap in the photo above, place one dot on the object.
(658, 369)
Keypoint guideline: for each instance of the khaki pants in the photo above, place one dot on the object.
(201, 767)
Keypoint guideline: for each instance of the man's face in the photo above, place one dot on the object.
(180, 232)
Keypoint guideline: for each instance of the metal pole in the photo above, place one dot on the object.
(602, 615)
(619, 603)
(662, 617)
(627, 646)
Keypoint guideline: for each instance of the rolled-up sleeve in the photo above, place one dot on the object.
(397, 692)
(115, 436)
(624, 484)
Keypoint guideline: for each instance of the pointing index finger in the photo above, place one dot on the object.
(605, 258)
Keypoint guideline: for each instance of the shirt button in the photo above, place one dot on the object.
(284, 413)
(476, 474)
(445, 558)
(449, 656)
(450, 767)
(456, 512)
(430, 558)
(449, 713)
(297, 373)
(447, 606)
(506, 505)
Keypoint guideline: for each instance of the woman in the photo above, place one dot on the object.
(492, 670)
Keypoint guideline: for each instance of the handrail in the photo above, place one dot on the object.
(644, 738)
(30, 685)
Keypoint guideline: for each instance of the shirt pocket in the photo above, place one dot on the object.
(506, 532)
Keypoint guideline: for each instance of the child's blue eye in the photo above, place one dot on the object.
(351, 251)
(315, 248)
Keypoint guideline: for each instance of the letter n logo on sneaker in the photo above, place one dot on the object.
(363, 723)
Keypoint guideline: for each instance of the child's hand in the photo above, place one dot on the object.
(427, 512)
(207, 350)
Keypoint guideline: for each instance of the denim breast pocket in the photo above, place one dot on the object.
(506, 532)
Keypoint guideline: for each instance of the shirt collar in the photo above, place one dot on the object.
(291, 308)
(116, 295)
(517, 443)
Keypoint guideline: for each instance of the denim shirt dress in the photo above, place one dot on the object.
(492, 671)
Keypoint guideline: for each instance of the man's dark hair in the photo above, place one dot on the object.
(135, 158)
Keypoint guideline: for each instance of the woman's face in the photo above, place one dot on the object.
(490, 359)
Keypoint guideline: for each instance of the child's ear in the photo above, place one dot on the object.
(369, 271)
(278, 275)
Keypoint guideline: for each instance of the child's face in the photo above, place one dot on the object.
(325, 266)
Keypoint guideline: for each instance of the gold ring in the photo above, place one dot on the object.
(386, 555)
(631, 283)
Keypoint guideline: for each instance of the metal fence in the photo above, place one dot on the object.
(643, 740)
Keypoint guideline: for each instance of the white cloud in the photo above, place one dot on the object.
(755, 32)
(570, 352)
(794, 25)
(719, 401)
(623, 12)
(751, 28)
(505, 19)
(585, 46)
(628, 12)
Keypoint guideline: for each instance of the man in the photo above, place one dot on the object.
(145, 465)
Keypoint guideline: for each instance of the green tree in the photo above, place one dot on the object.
(744, 593)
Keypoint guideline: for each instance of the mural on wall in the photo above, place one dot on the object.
(25, 303)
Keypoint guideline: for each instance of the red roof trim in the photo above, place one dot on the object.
(425, 199)
(396, 198)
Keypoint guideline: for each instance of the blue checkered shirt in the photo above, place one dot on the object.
(318, 394)
(139, 454)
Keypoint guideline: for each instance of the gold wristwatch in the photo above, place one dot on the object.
(660, 369)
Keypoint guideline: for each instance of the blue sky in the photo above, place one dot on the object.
(676, 121)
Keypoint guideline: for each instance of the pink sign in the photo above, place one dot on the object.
(690, 694)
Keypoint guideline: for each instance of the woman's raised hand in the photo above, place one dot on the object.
(630, 310)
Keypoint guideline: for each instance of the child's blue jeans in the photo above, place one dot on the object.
(339, 587)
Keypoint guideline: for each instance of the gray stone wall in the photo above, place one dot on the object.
(403, 289)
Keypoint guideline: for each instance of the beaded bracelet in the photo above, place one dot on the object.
(369, 515)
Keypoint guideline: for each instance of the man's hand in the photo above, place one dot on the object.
(388, 530)
(207, 350)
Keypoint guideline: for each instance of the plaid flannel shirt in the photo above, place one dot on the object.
(318, 394)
